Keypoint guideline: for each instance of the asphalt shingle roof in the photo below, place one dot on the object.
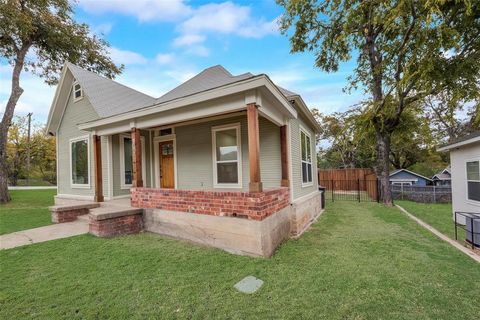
(108, 97)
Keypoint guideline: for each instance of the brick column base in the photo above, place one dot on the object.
(128, 224)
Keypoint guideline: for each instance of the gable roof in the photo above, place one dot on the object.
(208, 79)
(410, 172)
(107, 96)
(468, 139)
(442, 176)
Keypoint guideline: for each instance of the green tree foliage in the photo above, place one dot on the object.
(405, 51)
(42, 152)
(46, 30)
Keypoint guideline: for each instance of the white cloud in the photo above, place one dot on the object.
(227, 18)
(143, 10)
(126, 57)
(188, 39)
(164, 58)
(37, 96)
(200, 51)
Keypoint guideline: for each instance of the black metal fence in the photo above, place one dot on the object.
(424, 194)
(351, 190)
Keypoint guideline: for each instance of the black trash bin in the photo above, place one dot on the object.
(322, 190)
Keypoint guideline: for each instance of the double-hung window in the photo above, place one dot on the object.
(79, 162)
(306, 149)
(227, 156)
(473, 180)
(77, 91)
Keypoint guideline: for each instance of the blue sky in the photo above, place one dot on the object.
(165, 42)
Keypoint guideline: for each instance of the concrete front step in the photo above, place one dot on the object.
(110, 212)
(84, 217)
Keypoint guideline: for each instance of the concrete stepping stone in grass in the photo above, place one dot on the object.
(248, 285)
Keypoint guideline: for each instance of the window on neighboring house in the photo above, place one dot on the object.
(306, 145)
(126, 161)
(473, 180)
(79, 159)
(226, 154)
(77, 91)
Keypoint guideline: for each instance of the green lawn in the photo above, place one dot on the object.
(359, 261)
(438, 215)
(28, 209)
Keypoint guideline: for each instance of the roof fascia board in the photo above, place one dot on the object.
(161, 119)
(411, 172)
(53, 109)
(219, 92)
(459, 144)
(307, 112)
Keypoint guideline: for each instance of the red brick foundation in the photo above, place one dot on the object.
(111, 227)
(68, 213)
(255, 206)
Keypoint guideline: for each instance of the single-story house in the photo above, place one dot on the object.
(442, 178)
(408, 178)
(224, 160)
(465, 168)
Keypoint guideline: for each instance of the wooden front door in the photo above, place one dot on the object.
(167, 171)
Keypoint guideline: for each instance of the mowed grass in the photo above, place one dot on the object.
(438, 215)
(359, 261)
(28, 209)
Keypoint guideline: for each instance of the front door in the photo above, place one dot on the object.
(167, 171)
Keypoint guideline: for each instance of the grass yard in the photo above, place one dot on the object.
(359, 261)
(28, 209)
(438, 215)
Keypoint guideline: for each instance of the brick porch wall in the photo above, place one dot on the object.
(254, 206)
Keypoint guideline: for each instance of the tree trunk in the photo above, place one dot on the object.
(383, 169)
(15, 94)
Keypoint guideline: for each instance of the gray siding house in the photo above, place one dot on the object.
(219, 151)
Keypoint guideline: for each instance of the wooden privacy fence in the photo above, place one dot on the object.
(342, 178)
(349, 184)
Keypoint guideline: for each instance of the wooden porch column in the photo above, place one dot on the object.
(284, 156)
(253, 149)
(97, 159)
(137, 158)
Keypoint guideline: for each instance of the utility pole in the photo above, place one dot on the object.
(28, 147)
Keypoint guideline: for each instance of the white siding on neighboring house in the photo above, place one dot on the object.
(75, 113)
(458, 158)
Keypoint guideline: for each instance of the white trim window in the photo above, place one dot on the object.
(227, 157)
(306, 153)
(473, 180)
(126, 161)
(80, 162)
(77, 91)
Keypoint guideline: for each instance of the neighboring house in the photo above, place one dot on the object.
(465, 169)
(408, 178)
(224, 160)
(443, 178)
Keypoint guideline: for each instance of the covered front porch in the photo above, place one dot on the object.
(215, 154)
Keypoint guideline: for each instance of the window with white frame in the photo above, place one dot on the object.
(473, 180)
(126, 161)
(227, 156)
(306, 148)
(79, 160)
(77, 91)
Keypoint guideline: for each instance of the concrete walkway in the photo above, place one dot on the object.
(31, 187)
(42, 234)
(452, 242)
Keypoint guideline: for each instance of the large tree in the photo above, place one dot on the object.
(39, 36)
(405, 52)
